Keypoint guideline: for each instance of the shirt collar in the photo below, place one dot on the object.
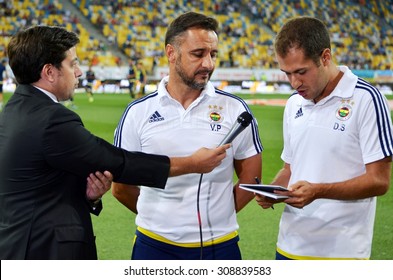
(344, 88)
(164, 94)
(51, 95)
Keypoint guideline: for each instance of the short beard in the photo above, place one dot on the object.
(189, 81)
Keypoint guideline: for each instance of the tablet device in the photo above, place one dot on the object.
(266, 190)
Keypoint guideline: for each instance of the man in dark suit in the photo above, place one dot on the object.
(46, 155)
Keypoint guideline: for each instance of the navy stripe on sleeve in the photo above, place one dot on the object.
(383, 116)
(119, 129)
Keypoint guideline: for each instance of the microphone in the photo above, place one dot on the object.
(243, 120)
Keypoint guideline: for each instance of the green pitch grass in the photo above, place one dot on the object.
(115, 226)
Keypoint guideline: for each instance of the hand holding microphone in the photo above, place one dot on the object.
(207, 159)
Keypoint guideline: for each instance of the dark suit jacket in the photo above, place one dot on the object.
(45, 157)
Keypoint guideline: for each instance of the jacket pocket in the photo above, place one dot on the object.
(70, 234)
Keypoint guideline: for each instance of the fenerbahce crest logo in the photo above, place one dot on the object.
(344, 112)
(215, 116)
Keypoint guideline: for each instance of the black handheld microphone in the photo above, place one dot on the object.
(243, 120)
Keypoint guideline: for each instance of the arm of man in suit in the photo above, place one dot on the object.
(68, 146)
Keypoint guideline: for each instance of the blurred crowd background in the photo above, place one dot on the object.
(114, 32)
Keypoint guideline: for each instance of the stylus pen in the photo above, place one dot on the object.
(258, 182)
